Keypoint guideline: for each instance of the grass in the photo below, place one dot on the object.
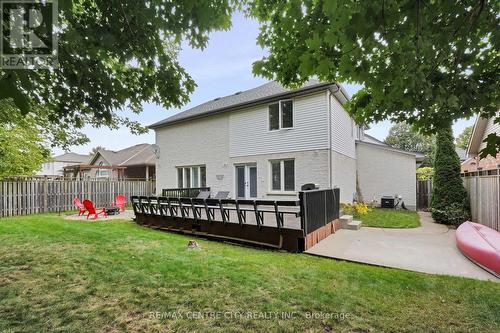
(389, 218)
(75, 276)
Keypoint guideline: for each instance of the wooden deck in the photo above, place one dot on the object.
(293, 226)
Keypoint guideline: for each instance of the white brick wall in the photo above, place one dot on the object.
(202, 141)
(310, 167)
(344, 175)
(383, 172)
(206, 142)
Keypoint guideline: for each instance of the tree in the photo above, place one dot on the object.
(462, 140)
(22, 145)
(425, 173)
(422, 62)
(53, 134)
(115, 54)
(94, 150)
(450, 202)
(403, 136)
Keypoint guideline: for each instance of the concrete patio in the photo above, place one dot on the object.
(430, 249)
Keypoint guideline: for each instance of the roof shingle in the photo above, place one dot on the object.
(266, 91)
(141, 154)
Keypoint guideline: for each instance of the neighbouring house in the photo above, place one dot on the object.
(55, 166)
(482, 128)
(136, 162)
(268, 141)
(462, 154)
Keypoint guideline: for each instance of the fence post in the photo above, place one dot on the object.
(302, 199)
(45, 194)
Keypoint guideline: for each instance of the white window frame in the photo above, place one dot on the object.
(282, 176)
(192, 169)
(106, 174)
(280, 116)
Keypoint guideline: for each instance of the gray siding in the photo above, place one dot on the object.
(344, 130)
(491, 127)
(249, 129)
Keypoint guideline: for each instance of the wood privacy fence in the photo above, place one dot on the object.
(484, 193)
(22, 196)
(424, 194)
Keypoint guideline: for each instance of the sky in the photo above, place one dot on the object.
(222, 68)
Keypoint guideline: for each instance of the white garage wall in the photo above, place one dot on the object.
(344, 176)
(384, 172)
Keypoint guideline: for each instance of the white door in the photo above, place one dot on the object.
(246, 181)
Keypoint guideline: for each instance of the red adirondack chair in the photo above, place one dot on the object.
(120, 202)
(80, 206)
(92, 210)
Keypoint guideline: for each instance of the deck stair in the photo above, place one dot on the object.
(347, 222)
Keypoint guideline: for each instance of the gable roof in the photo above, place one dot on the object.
(262, 94)
(72, 157)
(141, 154)
(477, 136)
(478, 133)
(376, 143)
(371, 139)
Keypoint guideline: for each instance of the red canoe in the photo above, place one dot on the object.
(481, 245)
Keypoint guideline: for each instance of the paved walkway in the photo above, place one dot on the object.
(430, 248)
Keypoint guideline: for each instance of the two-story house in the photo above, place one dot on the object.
(268, 141)
(55, 166)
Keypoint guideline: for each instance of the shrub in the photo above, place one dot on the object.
(357, 208)
(450, 202)
(425, 173)
(453, 214)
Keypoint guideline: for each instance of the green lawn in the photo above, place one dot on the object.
(389, 218)
(75, 276)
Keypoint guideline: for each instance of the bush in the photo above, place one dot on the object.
(355, 208)
(425, 173)
(453, 214)
(450, 202)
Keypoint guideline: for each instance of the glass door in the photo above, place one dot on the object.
(246, 181)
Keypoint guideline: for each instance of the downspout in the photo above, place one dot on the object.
(329, 103)
(329, 94)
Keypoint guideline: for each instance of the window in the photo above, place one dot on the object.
(286, 114)
(276, 175)
(274, 116)
(180, 178)
(283, 175)
(193, 176)
(102, 172)
(281, 115)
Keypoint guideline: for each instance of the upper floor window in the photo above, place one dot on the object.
(281, 115)
(193, 176)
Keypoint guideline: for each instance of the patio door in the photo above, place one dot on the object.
(246, 181)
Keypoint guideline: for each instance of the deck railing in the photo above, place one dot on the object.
(205, 209)
(183, 192)
(293, 225)
(318, 208)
